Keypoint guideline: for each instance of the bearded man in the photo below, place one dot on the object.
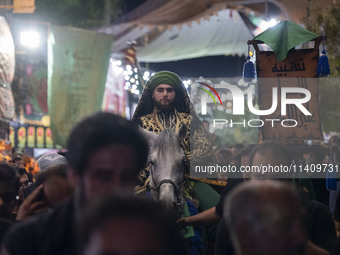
(165, 104)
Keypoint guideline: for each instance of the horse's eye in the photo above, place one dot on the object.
(151, 162)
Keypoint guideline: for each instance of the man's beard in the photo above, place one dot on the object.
(164, 107)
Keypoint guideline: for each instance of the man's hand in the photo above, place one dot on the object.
(32, 205)
(183, 222)
(206, 218)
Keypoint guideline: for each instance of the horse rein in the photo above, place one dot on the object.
(177, 194)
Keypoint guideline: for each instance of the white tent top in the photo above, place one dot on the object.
(222, 34)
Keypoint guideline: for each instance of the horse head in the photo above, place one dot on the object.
(166, 162)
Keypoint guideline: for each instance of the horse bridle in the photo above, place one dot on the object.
(178, 194)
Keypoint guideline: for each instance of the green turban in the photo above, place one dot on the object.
(165, 77)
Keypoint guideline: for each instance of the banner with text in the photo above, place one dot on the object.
(78, 63)
(299, 64)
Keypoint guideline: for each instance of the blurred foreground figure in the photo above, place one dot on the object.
(105, 154)
(9, 186)
(264, 217)
(319, 223)
(131, 226)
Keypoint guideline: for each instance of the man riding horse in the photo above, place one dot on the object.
(165, 104)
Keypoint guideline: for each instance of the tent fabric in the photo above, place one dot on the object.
(158, 25)
(167, 12)
(221, 34)
(284, 36)
(122, 35)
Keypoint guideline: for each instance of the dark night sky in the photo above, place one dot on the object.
(129, 5)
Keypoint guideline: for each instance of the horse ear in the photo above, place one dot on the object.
(147, 134)
(182, 132)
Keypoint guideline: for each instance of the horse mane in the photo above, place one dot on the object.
(167, 141)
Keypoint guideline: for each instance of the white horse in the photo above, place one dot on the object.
(166, 163)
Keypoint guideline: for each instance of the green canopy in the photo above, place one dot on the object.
(284, 36)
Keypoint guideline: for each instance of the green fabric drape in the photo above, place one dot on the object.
(284, 36)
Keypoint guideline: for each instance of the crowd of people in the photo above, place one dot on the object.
(95, 198)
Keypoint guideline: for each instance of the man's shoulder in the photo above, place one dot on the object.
(185, 115)
(147, 116)
(149, 121)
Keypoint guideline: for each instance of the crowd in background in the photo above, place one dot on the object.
(59, 203)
